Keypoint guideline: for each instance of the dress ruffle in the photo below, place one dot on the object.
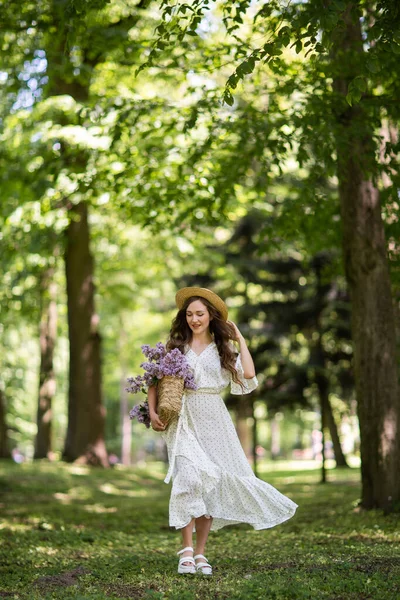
(204, 488)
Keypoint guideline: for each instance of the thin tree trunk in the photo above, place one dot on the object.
(318, 353)
(126, 423)
(85, 433)
(47, 382)
(326, 409)
(333, 430)
(4, 442)
(367, 273)
(323, 390)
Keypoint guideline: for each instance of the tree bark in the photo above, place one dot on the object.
(126, 426)
(367, 273)
(47, 382)
(126, 423)
(323, 390)
(85, 433)
(4, 445)
(333, 430)
(329, 420)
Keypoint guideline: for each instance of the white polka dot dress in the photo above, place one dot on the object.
(210, 472)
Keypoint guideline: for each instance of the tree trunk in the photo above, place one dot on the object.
(4, 445)
(85, 434)
(326, 410)
(126, 423)
(47, 382)
(367, 273)
(323, 390)
(329, 420)
(333, 430)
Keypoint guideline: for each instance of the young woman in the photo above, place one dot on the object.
(213, 483)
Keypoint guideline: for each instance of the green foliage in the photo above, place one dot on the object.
(298, 88)
(80, 7)
(312, 25)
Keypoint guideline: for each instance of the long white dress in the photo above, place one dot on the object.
(210, 472)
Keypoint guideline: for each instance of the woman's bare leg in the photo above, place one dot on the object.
(203, 526)
(187, 540)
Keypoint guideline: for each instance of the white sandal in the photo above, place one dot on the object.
(186, 569)
(203, 567)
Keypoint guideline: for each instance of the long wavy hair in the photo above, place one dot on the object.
(181, 335)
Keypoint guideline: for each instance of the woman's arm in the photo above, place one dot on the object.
(156, 422)
(249, 370)
(152, 399)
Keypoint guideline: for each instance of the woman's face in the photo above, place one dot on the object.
(198, 317)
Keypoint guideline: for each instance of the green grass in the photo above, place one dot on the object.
(77, 533)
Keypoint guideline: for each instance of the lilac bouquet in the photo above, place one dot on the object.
(160, 364)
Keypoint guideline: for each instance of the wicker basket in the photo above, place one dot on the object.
(169, 395)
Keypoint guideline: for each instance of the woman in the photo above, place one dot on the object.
(213, 483)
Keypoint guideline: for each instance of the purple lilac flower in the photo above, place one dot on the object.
(141, 413)
(136, 384)
(154, 354)
(189, 382)
(152, 369)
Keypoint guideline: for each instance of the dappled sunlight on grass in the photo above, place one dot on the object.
(76, 493)
(156, 470)
(299, 466)
(109, 488)
(14, 526)
(108, 537)
(99, 508)
(63, 498)
(46, 550)
(79, 469)
(269, 466)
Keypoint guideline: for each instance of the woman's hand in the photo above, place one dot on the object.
(236, 332)
(156, 422)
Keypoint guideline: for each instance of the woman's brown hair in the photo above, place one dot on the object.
(180, 335)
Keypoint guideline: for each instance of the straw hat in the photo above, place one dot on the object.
(188, 292)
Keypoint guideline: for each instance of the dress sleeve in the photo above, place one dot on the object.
(248, 384)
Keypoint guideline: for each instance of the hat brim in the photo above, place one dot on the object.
(183, 294)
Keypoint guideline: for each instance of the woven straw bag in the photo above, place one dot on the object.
(169, 398)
